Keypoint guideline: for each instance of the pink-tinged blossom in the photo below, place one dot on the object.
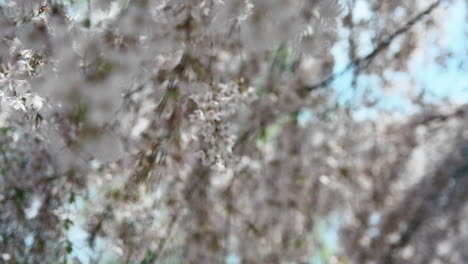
(204, 131)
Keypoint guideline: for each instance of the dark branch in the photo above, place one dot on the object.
(363, 62)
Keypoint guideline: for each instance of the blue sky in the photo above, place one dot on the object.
(452, 80)
(439, 82)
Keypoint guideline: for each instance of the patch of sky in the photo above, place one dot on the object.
(361, 11)
(304, 116)
(77, 235)
(343, 82)
(232, 259)
(80, 248)
(448, 80)
(78, 10)
(326, 232)
(29, 240)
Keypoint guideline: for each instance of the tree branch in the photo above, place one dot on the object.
(363, 62)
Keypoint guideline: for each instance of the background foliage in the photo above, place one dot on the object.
(207, 131)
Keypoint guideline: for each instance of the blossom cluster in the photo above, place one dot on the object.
(175, 131)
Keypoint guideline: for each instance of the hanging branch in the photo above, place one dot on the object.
(362, 62)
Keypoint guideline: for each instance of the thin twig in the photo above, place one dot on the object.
(163, 241)
(362, 62)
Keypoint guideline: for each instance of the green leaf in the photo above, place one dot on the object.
(72, 198)
(68, 246)
(68, 223)
(272, 131)
(149, 258)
